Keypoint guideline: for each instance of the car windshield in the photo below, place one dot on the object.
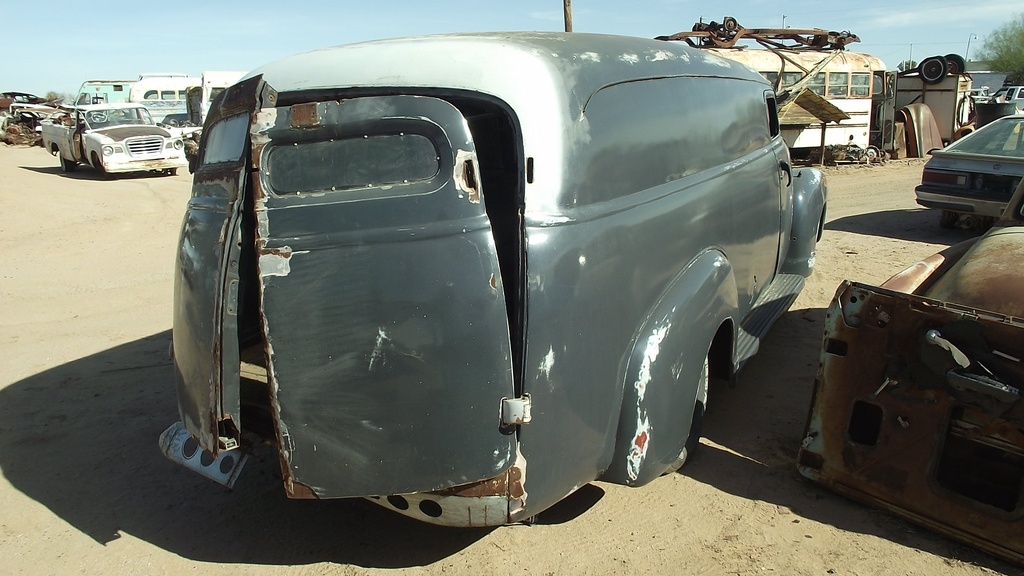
(107, 117)
(1003, 137)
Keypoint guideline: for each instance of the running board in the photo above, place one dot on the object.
(770, 305)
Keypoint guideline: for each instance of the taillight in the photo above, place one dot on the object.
(944, 178)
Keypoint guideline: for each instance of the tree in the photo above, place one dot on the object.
(1004, 49)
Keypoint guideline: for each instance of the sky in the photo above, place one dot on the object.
(58, 47)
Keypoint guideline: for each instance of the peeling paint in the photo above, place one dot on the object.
(466, 175)
(650, 355)
(547, 363)
(662, 55)
(277, 262)
(274, 265)
(589, 56)
(629, 58)
(377, 358)
(517, 494)
(638, 451)
(264, 121)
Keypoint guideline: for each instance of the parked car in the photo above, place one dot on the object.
(917, 403)
(465, 275)
(975, 175)
(114, 138)
(1012, 94)
(8, 98)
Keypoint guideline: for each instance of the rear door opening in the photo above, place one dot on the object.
(382, 282)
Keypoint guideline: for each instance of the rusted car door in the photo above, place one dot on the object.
(207, 278)
(382, 302)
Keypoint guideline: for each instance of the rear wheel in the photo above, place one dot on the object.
(693, 440)
(948, 219)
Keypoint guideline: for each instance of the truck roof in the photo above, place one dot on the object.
(505, 64)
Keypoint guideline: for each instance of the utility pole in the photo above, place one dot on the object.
(967, 52)
(567, 9)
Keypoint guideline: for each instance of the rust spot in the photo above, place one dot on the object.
(299, 491)
(515, 483)
(305, 115)
(257, 155)
(641, 440)
(497, 486)
(284, 252)
(494, 282)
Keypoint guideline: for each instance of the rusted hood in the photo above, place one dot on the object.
(121, 133)
(988, 276)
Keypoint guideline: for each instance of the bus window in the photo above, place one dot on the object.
(168, 95)
(790, 78)
(151, 95)
(860, 85)
(838, 84)
(817, 84)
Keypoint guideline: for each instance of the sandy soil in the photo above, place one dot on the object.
(85, 389)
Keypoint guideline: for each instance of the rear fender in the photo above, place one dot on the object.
(661, 377)
(810, 195)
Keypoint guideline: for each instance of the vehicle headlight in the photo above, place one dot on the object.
(108, 150)
(178, 144)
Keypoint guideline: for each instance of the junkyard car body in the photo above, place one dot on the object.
(917, 406)
(465, 275)
(976, 174)
(8, 98)
(114, 138)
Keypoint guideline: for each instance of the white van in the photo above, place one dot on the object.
(163, 94)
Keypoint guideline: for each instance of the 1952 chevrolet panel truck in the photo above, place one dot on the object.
(465, 275)
(114, 138)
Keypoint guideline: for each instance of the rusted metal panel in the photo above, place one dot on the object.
(204, 338)
(382, 309)
(898, 422)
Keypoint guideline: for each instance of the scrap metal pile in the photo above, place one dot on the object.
(20, 117)
(725, 35)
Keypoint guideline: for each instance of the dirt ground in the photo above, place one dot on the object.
(85, 389)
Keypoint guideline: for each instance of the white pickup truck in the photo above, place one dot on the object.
(1014, 94)
(114, 138)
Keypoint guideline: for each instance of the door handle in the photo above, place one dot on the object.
(784, 166)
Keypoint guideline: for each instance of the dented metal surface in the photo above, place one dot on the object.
(431, 283)
(891, 423)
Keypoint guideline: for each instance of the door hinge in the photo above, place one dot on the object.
(516, 411)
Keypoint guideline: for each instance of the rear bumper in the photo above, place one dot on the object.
(966, 204)
(179, 446)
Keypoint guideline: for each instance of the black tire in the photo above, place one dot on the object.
(67, 165)
(99, 167)
(956, 63)
(697, 424)
(948, 219)
(933, 69)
